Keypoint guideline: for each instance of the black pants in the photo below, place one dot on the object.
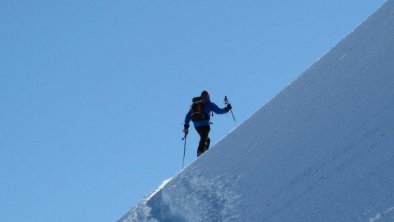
(203, 146)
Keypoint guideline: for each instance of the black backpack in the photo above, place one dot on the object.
(197, 110)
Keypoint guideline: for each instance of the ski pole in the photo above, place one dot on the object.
(226, 102)
(184, 150)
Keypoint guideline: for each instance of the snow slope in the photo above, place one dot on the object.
(321, 150)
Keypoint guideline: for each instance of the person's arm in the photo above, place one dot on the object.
(187, 120)
(214, 108)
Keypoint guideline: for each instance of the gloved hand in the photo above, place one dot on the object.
(186, 129)
(228, 107)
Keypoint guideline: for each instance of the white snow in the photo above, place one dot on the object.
(321, 150)
(388, 215)
(163, 184)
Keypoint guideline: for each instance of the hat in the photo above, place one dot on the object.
(205, 93)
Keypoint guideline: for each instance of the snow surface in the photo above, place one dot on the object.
(321, 150)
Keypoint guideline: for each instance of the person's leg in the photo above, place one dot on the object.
(208, 142)
(203, 145)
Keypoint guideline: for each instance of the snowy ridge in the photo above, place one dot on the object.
(321, 150)
(200, 192)
(141, 212)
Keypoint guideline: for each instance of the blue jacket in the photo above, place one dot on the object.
(209, 107)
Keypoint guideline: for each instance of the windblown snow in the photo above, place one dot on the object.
(321, 150)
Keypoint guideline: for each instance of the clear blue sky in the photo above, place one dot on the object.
(93, 93)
